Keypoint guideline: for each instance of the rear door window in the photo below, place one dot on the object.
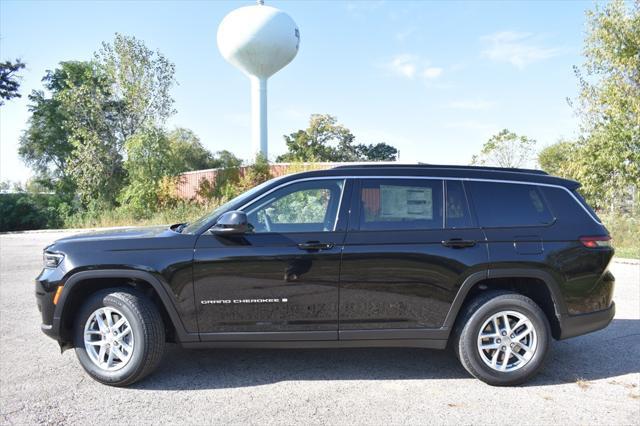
(457, 213)
(500, 204)
(398, 204)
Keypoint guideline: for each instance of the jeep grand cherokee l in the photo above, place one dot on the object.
(494, 262)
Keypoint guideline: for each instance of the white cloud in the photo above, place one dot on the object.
(410, 66)
(404, 65)
(405, 34)
(471, 104)
(432, 72)
(518, 49)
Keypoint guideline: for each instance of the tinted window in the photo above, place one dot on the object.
(310, 206)
(586, 205)
(507, 204)
(457, 208)
(395, 204)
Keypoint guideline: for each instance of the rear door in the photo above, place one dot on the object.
(405, 256)
(515, 218)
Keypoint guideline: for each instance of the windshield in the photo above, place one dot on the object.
(194, 226)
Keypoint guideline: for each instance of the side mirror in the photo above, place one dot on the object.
(231, 223)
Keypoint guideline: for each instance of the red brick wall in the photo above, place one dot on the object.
(189, 182)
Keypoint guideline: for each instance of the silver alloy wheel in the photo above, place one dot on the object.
(507, 341)
(108, 339)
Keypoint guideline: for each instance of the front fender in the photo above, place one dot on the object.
(75, 280)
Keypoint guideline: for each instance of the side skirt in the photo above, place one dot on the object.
(310, 344)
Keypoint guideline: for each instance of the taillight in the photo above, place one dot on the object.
(596, 241)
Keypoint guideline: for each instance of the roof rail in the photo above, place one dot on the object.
(440, 166)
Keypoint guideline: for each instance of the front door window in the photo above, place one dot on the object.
(308, 206)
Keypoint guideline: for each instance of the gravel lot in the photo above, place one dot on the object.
(589, 379)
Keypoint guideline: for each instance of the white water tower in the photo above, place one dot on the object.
(260, 40)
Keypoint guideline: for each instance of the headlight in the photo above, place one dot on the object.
(52, 260)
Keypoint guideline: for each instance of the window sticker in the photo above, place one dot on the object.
(406, 203)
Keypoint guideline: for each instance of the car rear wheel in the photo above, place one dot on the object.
(119, 336)
(502, 338)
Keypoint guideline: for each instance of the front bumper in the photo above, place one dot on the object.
(46, 285)
(576, 325)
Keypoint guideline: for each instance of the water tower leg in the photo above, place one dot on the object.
(259, 116)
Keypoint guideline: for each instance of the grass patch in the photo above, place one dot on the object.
(624, 230)
(183, 212)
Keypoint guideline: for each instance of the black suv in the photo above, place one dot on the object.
(494, 262)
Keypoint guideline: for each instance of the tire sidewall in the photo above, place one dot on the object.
(477, 320)
(136, 362)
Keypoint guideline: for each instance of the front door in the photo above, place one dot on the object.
(279, 281)
(405, 256)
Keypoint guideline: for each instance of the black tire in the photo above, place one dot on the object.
(472, 319)
(147, 328)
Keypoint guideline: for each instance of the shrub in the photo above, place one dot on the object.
(624, 231)
(24, 211)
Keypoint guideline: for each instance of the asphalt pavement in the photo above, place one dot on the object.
(592, 379)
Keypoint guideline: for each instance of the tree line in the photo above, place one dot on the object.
(97, 140)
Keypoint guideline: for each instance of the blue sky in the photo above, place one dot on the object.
(434, 79)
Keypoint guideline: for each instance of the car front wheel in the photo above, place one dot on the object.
(502, 338)
(119, 336)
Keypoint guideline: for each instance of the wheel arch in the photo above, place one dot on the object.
(536, 284)
(82, 284)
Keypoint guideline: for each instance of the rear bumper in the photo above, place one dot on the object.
(576, 325)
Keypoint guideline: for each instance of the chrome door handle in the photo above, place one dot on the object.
(458, 243)
(315, 245)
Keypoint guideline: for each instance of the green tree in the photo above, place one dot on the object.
(45, 145)
(20, 211)
(607, 161)
(326, 140)
(148, 161)
(141, 81)
(137, 99)
(321, 141)
(95, 163)
(506, 149)
(154, 160)
(77, 131)
(378, 152)
(192, 155)
(9, 80)
(556, 159)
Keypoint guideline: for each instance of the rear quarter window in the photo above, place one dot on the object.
(500, 204)
(570, 211)
(586, 205)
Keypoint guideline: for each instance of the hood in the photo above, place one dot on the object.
(124, 239)
(120, 233)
